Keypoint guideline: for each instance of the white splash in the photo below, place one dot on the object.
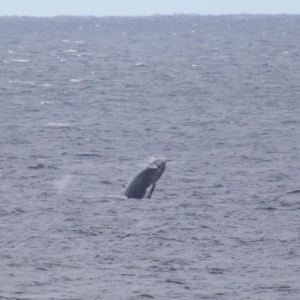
(62, 183)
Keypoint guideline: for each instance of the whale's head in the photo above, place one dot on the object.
(159, 164)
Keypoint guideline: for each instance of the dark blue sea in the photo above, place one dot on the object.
(86, 102)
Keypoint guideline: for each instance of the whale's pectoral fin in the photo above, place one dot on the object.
(150, 190)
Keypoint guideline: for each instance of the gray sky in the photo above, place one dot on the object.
(43, 8)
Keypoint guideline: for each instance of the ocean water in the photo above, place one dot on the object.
(86, 102)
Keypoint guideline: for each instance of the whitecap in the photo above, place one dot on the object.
(20, 81)
(75, 80)
(58, 124)
(88, 139)
(70, 51)
(138, 64)
(20, 60)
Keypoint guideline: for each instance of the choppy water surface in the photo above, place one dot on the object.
(86, 102)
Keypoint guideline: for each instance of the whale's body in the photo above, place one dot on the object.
(143, 184)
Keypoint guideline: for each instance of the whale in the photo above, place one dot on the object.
(143, 183)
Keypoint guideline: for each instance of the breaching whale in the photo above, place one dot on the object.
(143, 184)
